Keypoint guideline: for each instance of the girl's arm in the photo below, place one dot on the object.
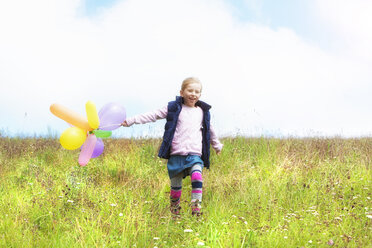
(216, 144)
(146, 117)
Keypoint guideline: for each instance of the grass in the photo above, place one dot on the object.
(258, 193)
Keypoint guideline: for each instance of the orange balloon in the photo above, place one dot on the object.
(70, 116)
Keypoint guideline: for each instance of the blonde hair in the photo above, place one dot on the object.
(189, 81)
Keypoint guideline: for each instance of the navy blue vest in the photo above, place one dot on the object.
(174, 110)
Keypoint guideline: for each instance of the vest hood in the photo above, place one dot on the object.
(204, 106)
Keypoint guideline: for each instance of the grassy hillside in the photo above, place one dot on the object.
(258, 193)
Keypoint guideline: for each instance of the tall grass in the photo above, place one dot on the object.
(258, 193)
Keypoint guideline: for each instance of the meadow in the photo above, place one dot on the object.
(259, 192)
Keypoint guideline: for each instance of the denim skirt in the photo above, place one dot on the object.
(177, 164)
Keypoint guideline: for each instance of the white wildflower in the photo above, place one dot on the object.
(315, 213)
(156, 238)
(310, 241)
(121, 214)
(285, 237)
(113, 205)
(70, 201)
(188, 230)
(200, 243)
(369, 216)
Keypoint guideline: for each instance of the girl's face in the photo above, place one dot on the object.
(191, 94)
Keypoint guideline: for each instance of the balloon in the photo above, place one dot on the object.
(70, 116)
(87, 150)
(102, 133)
(92, 115)
(72, 138)
(111, 116)
(98, 149)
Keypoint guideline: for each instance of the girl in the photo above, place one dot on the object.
(186, 141)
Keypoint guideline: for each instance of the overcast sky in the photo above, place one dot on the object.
(272, 68)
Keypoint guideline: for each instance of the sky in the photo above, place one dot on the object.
(268, 68)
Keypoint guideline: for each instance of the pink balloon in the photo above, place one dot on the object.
(98, 149)
(111, 116)
(87, 150)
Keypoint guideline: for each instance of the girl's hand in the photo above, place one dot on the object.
(124, 124)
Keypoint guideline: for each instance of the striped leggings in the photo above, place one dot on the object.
(196, 183)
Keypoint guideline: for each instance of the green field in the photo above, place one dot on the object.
(260, 192)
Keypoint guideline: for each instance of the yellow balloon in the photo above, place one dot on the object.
(73, 138)
(92, 115)
(70, 116)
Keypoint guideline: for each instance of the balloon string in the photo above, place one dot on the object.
(112, 125)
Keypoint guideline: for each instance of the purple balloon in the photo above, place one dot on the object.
(111, 116)
(98, 149)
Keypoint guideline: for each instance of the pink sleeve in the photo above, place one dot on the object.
(216, 144)
(148, 117)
